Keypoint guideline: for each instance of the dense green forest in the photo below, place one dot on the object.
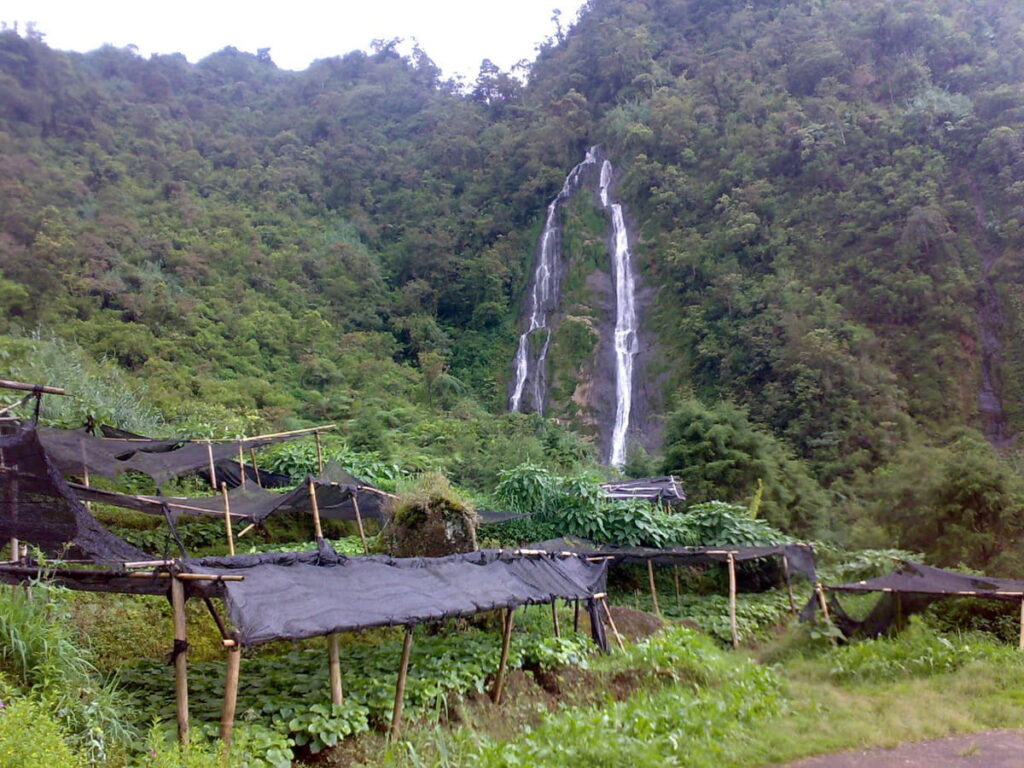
(827, 194)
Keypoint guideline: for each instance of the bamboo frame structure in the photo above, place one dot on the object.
(554, 618)
(654, 588)
(403, 671)
(180, 659)
(506, 639)
(227, 519)
(576, 615)
(316, 510)
(213, 469)
(255, 467)
(334, 665)
(23, 387)
(732, 601)
(824, 606)
(319, 454)
(241, 465)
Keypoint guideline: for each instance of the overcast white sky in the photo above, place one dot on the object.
(456, 34)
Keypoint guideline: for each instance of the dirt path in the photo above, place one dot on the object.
(991, 749)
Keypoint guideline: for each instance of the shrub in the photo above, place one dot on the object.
(31, 737)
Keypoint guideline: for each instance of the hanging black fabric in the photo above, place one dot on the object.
(290, 596)
(38, 508)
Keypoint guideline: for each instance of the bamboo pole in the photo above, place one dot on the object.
(255, 467)
(181, 658)
(824, 606)
(227, 712)
(213, 470)
(245, 530)
(1021, 646)
(576, 616)
(611, 623)
(227, 518)
(334, 663)
(789, 584)
(359, 521)
(241, 465)
(679, 592)
(732, 601)
(319, 454)
(15, 550)
(654, 588)
(506, 639)
(403, 671)
(554, 617)
(32, 388)
(316, 510)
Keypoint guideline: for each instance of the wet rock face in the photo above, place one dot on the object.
(432, 527)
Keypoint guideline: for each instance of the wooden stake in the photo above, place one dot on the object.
(789, 584)
(181, 659)
(316, 510)
(319, 454)
(654, 589)
(576, 616)
(359, 521)
(227, 712)
(241, 465)
(611, 623)
(213, 471)
(1021, 646)
(255, 468)
(732, 601)
(403, 671)
(227, 518)
(334, 663)
(506, 639)
(679, 592)
(824, 606)
(554, 617)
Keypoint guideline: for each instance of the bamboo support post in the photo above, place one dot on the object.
(506, 639)
(334, 663)
(245, 530)
(1021, 646)
(359, 521)
(732, 601)
(213, 470)
(403, 671)
(241, 465)
(255, 467)
(15, 550)
(227, 519)
(227, 712)
(180, 658)
(316, 510)
(576, 615)
(820, 590)
(654, 588)
(319, 454)
(679, 592)
(611, 623)
(789, 584)
(554, 617)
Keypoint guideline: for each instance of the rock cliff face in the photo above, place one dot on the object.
(584, 350)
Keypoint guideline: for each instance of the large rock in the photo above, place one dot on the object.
(432, 522)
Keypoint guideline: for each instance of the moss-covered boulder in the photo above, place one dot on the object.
(431, 520)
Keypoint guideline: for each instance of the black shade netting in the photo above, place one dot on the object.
(230, 473)
(37, 506)
(658, 490)
(907, 590)
(290, 596)
(800, 557)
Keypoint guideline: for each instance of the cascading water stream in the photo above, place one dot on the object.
(625, 320)
(544, 295)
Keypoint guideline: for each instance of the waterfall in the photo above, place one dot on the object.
(625, 320)
(544, 295)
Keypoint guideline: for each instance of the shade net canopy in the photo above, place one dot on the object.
(800, 557)
(38, 508)
(335, 501)
(76, 453)
(290, 596)
(657, 490)
(911, 588)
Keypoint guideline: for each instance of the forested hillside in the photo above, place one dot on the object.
(827, 194)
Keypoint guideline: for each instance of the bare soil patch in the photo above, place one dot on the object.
(990, 749)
